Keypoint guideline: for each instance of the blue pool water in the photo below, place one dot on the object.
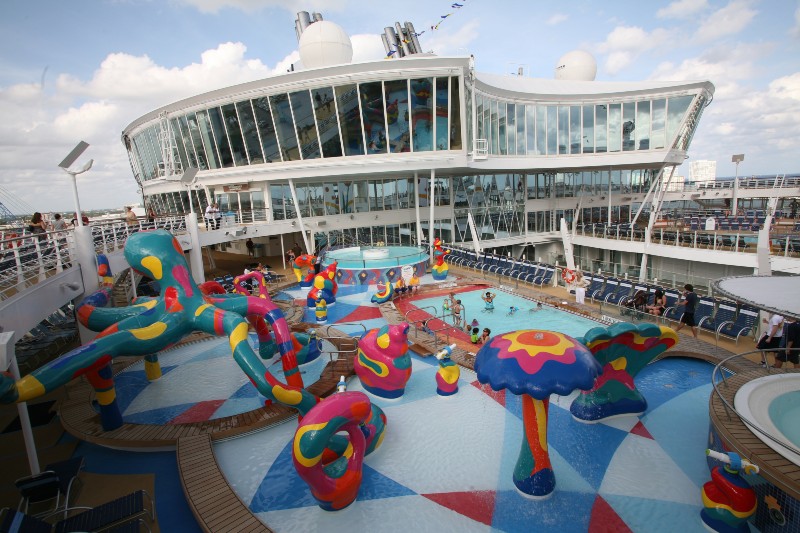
(500, 321)
(358, 257)
(784, 411)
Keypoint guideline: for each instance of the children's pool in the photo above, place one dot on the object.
(502, 320)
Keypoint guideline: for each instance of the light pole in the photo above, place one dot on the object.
(66, 163)
(736, 158)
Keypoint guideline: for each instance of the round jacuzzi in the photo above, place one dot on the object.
(772, 404)
(362, 265)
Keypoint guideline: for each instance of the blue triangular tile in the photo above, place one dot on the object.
(589, 448)
(376, 486)
(282, 488)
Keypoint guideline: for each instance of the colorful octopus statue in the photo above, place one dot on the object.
(728, 499)
(383, 364)
(623, 350)
(152, 324)
(304, 261)
(440, 268)
(324, 286)
(448, 373)
(385, 292)
(335, 480)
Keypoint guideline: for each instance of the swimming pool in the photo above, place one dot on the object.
(362, 265)
(500, 321)
(772, 404)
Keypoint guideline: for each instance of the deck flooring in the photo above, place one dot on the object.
(216, 506)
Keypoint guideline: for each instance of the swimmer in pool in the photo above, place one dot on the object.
(512, 310)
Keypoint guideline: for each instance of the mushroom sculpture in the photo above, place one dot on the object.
(534, 364)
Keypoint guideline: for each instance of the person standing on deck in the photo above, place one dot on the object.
(689, 304)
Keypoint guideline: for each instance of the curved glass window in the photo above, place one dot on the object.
(234, 134)
(218, 127)
(511, 128)
(208, 139)
(305, 125)
(643, 125)
(479, 116)
(284, 126)
(397, 115)
(588, 129)
(455, 115)
(350, 120)
(657, 134)
(574, 129)
(175, 131)
(530, 126)
(615, 127)
(501, 128)
(552, 130)
(373, 116)
(250, 132)
(601, 128)
(199, 150)
(628, 126)
(442, 126)
(266, 130)
(327, 123)
(520, 119)
(422, 114)
(563, 130)
(676, 109)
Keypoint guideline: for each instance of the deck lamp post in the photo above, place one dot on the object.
(736, 158)
(66, 163)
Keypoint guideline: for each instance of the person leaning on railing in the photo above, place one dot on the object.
(792, 351)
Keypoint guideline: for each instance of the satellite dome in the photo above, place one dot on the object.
(324, 44)
(576, 65)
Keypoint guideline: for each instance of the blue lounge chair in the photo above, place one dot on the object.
(611, 286)
(595, 284)
(743, 325)
(545, 278)
(623, 291)
(726, 312)
(704, 310)
(53, 484)
(104, 517)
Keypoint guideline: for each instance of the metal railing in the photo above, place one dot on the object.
(719, 379)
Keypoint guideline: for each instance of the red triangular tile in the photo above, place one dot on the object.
(498, 396)
(199, 412)
(477, 505)
(605, 519)
(362, 312)
(640, 430)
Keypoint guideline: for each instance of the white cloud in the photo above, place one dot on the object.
(625, 43)
(40, 127)
(444, 42)
(682, 9)
(729, 20)
(252, 6)
(367, 47)
(795, 31)
(558, 18)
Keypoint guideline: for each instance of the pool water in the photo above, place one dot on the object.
(784, 411)
(446, 463)
(500, 320)
(350, 258)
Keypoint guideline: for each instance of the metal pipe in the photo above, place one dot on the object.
(403, 40)
(412, 34)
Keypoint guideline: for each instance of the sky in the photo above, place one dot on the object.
(85, 69)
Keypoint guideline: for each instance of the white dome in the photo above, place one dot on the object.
(576, 65)
(324, 44)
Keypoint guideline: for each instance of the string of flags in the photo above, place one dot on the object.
(454, 6)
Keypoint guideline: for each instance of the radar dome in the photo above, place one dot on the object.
(324, 44)
(576, 65)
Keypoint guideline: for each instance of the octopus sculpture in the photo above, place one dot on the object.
(383, 363)
(153, 324)
(440, 268)
(323, 286)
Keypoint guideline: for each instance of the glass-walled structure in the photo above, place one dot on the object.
(393, 116)
(514, 128)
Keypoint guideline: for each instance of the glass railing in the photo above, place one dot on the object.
(781, 244)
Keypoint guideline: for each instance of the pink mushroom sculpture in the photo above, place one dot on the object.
(534, 364)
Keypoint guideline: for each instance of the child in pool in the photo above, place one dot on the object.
(475, 337)
(512, 310)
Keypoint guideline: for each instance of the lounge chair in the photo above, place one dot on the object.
(53, 484)
(108, 516)
(743, 325)
(611, 286)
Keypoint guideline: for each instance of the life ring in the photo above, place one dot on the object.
(568, 276)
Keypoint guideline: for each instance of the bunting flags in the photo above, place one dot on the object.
(454, 5)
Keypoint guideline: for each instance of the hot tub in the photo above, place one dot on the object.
(363, 265)
(772, 404)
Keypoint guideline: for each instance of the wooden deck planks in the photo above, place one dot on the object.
(212, 501)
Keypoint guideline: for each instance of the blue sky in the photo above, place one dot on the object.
(84, 69)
